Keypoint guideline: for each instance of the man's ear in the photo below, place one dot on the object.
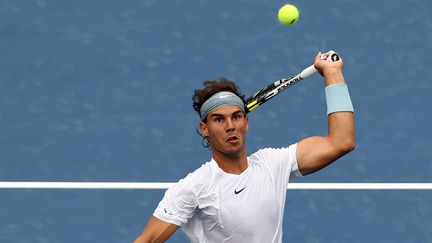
(203, 129)
(247, 122)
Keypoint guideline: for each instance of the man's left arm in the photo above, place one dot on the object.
(315, 153)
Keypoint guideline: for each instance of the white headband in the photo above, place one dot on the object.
(220, 99)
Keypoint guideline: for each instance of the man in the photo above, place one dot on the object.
(236, 198)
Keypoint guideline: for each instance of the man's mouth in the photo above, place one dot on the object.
(232, 139)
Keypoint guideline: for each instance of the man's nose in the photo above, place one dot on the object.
(229, 125)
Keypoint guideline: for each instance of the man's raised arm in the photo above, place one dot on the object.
(317, 152)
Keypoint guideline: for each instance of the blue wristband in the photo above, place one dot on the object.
(338, 98)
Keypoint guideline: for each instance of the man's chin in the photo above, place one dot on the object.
(234, 150)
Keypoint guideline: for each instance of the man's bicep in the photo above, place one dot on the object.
(315, 153)
(156, 230)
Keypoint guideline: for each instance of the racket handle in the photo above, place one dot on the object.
(311, 70)
(334, 57)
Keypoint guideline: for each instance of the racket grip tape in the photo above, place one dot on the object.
(308, 72)
(334, 57)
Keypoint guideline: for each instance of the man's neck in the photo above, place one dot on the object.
(231, 164)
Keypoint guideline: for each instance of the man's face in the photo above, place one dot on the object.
(226, 130)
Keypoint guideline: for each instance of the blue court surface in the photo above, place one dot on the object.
(100, 91)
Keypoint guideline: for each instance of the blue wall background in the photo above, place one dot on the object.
(101, 91)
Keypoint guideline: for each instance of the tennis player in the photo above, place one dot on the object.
(238, 198)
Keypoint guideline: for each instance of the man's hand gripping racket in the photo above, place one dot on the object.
(273, 89)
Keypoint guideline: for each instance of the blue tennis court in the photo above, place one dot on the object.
(100, 91)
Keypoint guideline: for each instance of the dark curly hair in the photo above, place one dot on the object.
(212, 87)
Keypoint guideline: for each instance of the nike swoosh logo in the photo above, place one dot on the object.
(237, 192)
(223, 96)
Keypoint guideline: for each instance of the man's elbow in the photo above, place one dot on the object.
(347, 146)
(342, 146)
(350, 147)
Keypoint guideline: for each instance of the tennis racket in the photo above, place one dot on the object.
(277, 87)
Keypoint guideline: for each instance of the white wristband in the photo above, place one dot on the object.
(338, 98)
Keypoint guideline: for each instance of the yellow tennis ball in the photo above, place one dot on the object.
(288, 14)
